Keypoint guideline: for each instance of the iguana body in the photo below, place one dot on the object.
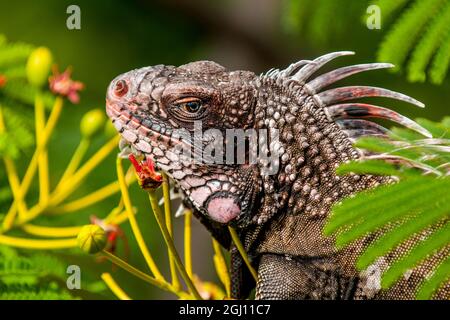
(279, 216)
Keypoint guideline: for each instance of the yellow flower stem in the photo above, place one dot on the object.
(141, 275)
(170, 245)
(31, 170)
(241, 250)
(221, 267)
(75, 161)
(93, 197)
(39, 244)
(134, 225)
(114, 287)
(187, 242)
(68, 187)
(168, 219)
(14, 183)
(39, 123)
(64, 232)
(51, 232)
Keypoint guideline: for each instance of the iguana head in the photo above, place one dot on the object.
(159, 110)
(180, 117)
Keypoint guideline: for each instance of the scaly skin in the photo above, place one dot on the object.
(279, 216)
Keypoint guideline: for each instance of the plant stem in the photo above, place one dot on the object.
(38, 244)
(31, 170)
(241, 250)
(168, 219)
(75, 161)
(141, 275)
(68, 187)
(134, 225)
(39, 120)
(187, 242)
(52, 232)
(114, 287)
(14, 183)
(63, 232)
(93, 197)
(221, 267)
(170, 244)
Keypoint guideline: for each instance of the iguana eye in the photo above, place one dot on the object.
(192, 106)
(188, 109)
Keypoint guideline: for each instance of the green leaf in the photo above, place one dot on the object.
(432, 39)
(395, 47)
(382, 214)
(403, 231)
(434, 242)
(351, 209)
(377, 167)
(441, 62)
(439, 277)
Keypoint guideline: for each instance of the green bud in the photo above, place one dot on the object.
(38, 66)
(92, 238)
(92, 123)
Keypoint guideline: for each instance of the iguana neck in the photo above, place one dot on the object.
(311, 148)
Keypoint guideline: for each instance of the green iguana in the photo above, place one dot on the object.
(278, 202)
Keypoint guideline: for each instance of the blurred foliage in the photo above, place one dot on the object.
(417, 37)
(26, 277)
(16, 97)
(418, 205)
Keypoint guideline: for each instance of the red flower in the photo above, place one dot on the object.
(62, 84)
(2, 80)
(148, 178)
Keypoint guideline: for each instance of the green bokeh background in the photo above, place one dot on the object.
(117, 36)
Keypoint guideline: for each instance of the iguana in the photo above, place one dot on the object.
(279, 216)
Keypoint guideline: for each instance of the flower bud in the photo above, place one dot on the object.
(92, 123)
(92, 238)
(38, 66)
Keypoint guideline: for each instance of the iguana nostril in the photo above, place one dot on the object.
(121, 88)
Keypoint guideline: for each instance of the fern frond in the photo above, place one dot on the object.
(377, 167)
(401, 206)
(402, 36)
(14, 53)
(27, 277)
(312, 18)
(396, 236)
(25, 93)
(432, 39)
(324, 12)
(352, 209)
(389, 7)
(19, 135)
(439, 277)
(441, 62)
(415, 206)
(435, 242)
